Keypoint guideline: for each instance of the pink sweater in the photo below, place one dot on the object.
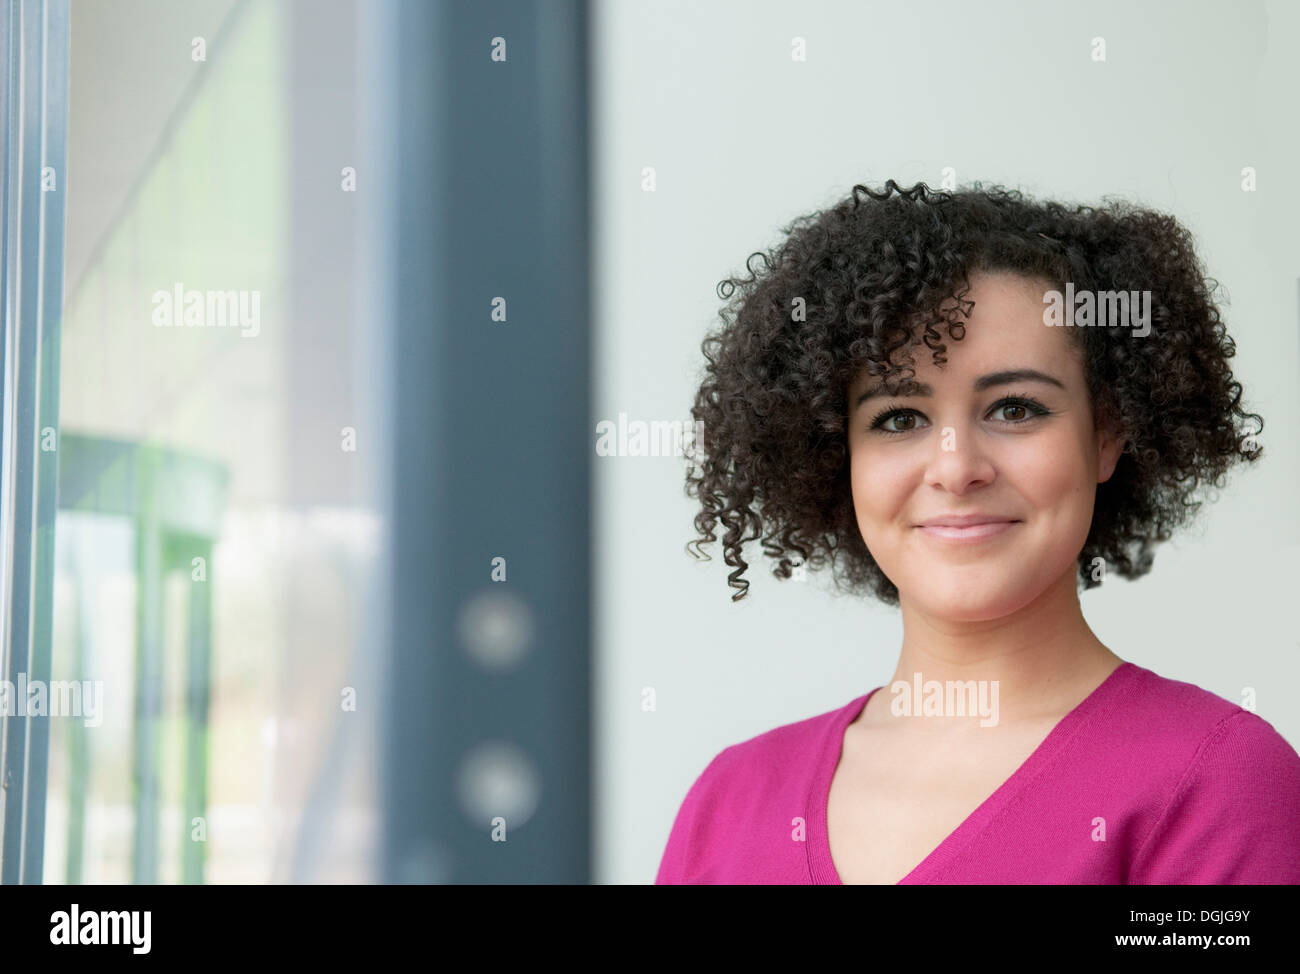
(1192, 788)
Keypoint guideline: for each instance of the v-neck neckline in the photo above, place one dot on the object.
(821, 868)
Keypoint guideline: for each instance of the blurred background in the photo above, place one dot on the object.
(208, 173)
(377, 575)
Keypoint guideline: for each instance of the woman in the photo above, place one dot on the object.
(1053, 435)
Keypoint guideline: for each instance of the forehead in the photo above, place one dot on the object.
(1004, 329)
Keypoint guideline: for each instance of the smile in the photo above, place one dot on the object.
(970, 533)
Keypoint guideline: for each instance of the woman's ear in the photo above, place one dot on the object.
(1109, 446)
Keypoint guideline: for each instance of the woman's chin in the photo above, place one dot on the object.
(966, 601)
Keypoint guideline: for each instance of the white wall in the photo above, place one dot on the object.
(742, 139)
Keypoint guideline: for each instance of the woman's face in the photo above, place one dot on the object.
(985, 438)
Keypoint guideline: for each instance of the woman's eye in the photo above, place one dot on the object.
(896, 421)
(1019, 410)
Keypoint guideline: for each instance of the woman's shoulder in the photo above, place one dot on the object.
(742, 806)
(1229, 808)
(1234, 815)
(1167, 728)
(784, 759)
(794, 742)
(1153, 709)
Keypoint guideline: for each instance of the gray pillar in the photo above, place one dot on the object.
(484, 179)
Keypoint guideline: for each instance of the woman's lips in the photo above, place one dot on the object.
(973, 532)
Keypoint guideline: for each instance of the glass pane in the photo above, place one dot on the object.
(215, 537)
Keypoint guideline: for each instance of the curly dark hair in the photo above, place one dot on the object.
(881, 272)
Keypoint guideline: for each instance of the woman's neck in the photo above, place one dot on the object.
(1044, 657)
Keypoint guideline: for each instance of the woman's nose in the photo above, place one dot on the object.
(958, 463)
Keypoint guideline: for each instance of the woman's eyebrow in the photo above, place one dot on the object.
(1005, 377)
